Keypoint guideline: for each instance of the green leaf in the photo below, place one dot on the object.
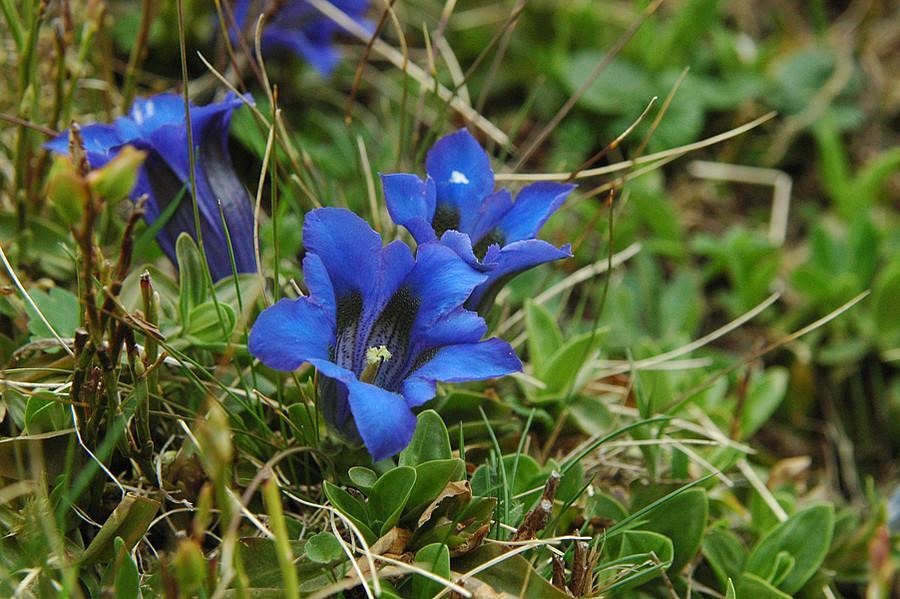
(601, 505)
(60, 308)
(436, 559)
(191, 278)
(544, 336)
(590, 414)
(514, 576)
(142, 244)
(127, 579)
(45, 413)
(431, 478)
(621, 86)
(639, 546)
(886, 307)
(430, 441)
(211, 325)
(730, 593)
(389, 496)
(324, 548)
(685, 531)
(724, 553)
(352, 508)
(249, 284)
(129, 520)
(567, 362)
(765, 395)
(806, 536)
(783, 566)
(750, 585)
(362, 477)
(260, 560)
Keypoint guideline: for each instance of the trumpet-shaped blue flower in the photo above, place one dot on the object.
(457, 204)
(298, 27)
(380, 326)
(157, 125)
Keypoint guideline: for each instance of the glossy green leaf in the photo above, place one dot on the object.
(544, 336)
(362, 477)
(430, 441)
(389, 495)
(431, 478)
(323, 548)
(352, 508)
(685, 531)
(193, 289)
(647, 553)
(127, 579)
(211, 324)
(764, 396)
(434, 558)
(805, 536)
(752, 586)
(61, 309)
(566, 363)
(514, 576)
(724, 553)
(129, 520)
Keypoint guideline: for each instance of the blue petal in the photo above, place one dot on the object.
(101, 143)
(462, 173)
(383, 419)
(461, 244)
(217, 183)
(441, 281)
(411, 202)
(459, 363)
(322, 56)
(347, 246)
(149, 114)
(291, 332)
(492, 211)
(513, 259)
(460, 326)
(396, 263)
(533, 206)
(318, 282)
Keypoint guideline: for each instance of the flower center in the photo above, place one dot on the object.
(446, 217)
(494, 236)
(375, 357)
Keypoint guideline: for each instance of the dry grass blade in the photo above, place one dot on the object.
(614, 143)
(525, 546)
(415, 71)
(768, 348)
(258, 207)
(627, 164)
(570, 103)
(698, 343)
(579, 276)
(780, 181)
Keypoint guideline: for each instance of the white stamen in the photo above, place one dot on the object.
(458, 177)
(375, 355)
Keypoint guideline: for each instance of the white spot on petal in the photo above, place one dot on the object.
(458, 177)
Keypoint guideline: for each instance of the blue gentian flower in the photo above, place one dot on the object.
(457, 204)
(157, 125)
(301, 29)
(380, 326)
